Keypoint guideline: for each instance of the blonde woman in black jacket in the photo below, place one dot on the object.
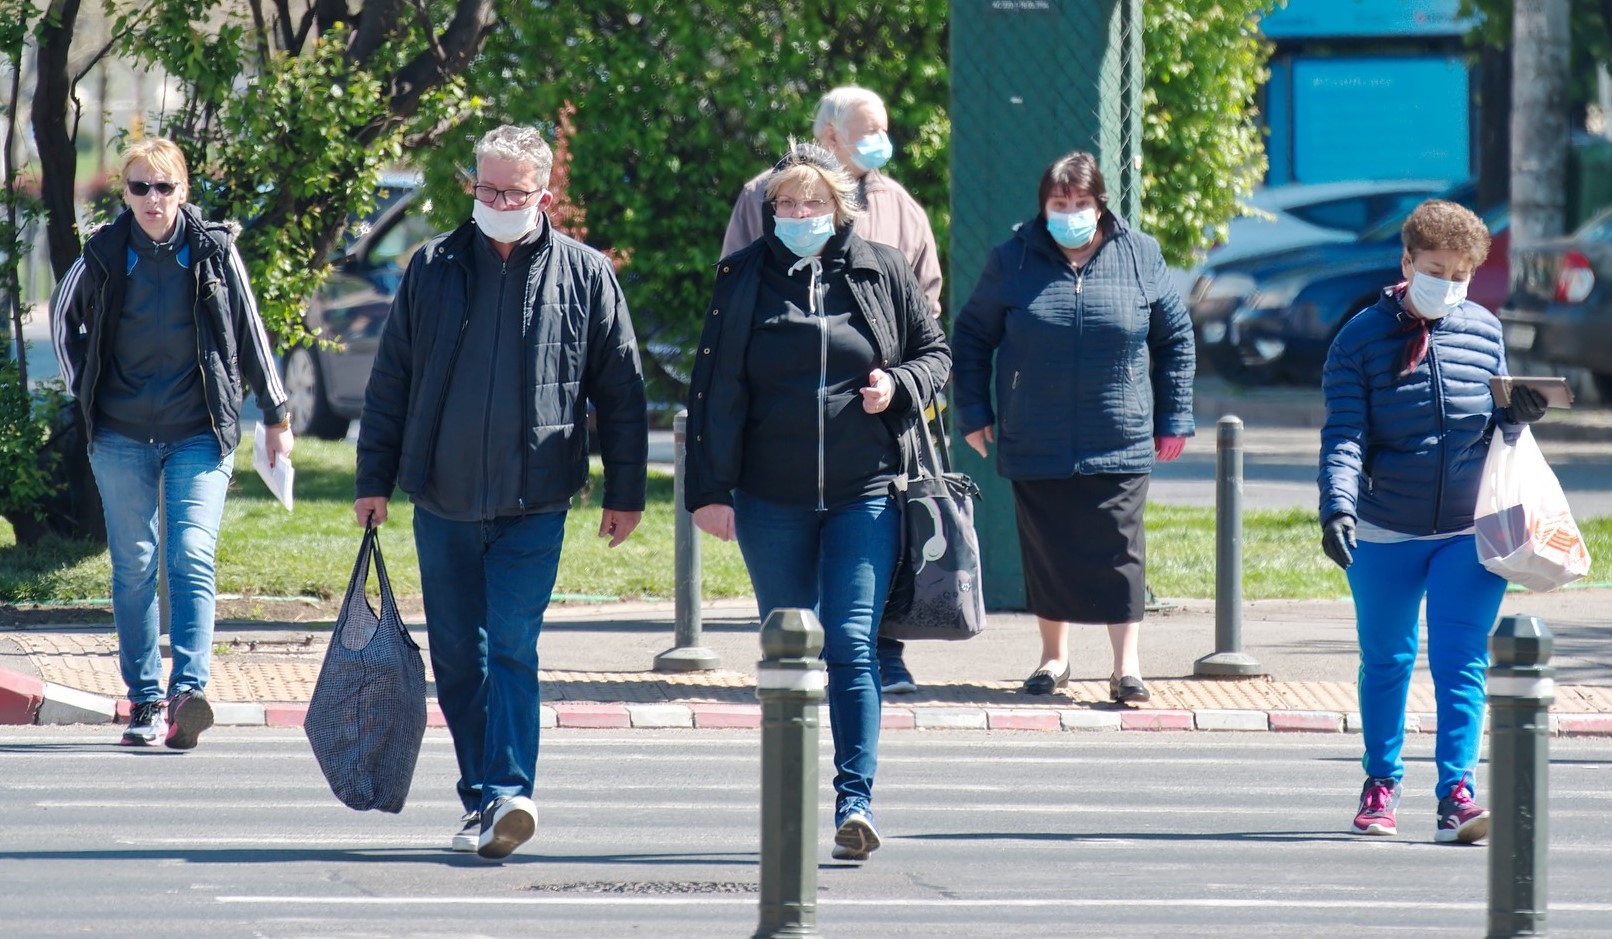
(818, 352)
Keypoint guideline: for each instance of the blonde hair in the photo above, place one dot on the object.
(161, 154)
(815, 171)
(1437, 225)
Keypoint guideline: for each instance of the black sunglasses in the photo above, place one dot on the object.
(142, 188)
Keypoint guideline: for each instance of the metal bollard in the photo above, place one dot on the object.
(1521, 690)
(687, 655)
(1228, 659)
(791, 682)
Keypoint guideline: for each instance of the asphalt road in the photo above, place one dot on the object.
(655, 833)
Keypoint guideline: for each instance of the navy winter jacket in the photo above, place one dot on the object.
(1091, 365)
(1407, 454)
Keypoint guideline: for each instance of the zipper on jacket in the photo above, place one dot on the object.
(822, 385)
(195, 320)
(492, 385)
(1438, 402)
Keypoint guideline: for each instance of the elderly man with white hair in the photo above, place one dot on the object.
(853, 124)
(503, 332)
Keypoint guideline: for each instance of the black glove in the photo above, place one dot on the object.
(1338, 539)
(1527, 405)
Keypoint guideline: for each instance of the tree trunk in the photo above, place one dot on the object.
(58, 160)
(1538, 120)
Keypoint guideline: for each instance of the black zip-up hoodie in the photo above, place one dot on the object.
(775, 407)
(232, 349)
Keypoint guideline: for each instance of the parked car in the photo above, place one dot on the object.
(1303, 214)
(1560, 309)
(326, 385)
(1282, 331)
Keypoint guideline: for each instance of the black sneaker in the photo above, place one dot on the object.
(508, 823)
(188, 715)
(146, 725)
(469, 833)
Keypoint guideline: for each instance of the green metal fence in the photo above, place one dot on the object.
(1031, 81)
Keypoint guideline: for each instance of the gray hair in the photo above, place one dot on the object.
(838, 104)
(518, 145)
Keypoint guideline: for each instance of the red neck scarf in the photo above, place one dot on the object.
(1416, 345)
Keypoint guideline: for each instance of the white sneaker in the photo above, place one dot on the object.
(506, 825)
(147, 725)
(469, 833)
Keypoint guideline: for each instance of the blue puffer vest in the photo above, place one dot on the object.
(1407, 453)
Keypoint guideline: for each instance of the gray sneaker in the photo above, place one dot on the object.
(854, 835)
(188, 715)
(147, 725)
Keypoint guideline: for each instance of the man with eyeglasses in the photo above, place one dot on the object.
(853, 124)
(500, 336)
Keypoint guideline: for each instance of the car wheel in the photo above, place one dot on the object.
(1603, 385)
(311, 415)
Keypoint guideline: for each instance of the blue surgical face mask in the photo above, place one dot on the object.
(873, 151)
(805, 236)
(1072, 229)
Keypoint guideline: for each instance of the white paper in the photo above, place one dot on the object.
(278, 478)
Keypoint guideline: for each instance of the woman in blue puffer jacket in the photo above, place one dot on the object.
(1093, 373)
(1409, 416)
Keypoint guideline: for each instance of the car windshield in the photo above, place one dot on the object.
(1388, 229)
(1598, 228)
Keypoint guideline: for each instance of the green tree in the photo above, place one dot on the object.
(1202, 146)
(678, 102)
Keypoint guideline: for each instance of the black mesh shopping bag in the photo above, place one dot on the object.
(367, 716)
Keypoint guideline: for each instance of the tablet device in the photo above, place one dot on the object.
(1555, 390)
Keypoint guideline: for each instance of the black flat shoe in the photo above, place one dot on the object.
(1042, 681)
(1127, 690)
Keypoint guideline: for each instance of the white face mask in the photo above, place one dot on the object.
(1434, 299)
(509, 226)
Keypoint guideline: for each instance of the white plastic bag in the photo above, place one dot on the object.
(1525, 530)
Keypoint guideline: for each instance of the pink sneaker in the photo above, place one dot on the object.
(1460, 819)
(1379, 797)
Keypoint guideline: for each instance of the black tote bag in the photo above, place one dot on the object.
(935, 593)
(367, 716)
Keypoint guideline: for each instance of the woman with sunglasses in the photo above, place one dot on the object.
(157, 335)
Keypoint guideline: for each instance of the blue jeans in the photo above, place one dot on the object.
(1388, 582)
(486, 587)
(838, 564)
(193, 478)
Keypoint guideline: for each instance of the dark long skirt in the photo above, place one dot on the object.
(1083, 548)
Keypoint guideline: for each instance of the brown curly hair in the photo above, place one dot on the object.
(1437, 225)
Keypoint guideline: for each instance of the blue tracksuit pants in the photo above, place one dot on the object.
(1388, 582)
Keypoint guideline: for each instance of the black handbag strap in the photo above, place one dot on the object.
(369, 547)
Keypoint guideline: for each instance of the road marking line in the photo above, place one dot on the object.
(931, 902)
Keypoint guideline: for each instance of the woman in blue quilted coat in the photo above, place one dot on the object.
(1409, 417)
(1093, 378)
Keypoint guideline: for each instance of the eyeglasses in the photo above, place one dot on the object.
(514, 198)
(790, 206)
(141, 188)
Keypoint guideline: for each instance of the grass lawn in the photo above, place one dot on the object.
(265, 552)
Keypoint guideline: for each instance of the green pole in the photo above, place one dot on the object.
(790, 681)
(1521, 688)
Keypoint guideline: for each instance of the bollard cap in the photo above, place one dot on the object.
(1229, 429)
(791, 634)
(1520, 641)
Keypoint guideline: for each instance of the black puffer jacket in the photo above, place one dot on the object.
(579, 348)
(822, 461)
(233, 350)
